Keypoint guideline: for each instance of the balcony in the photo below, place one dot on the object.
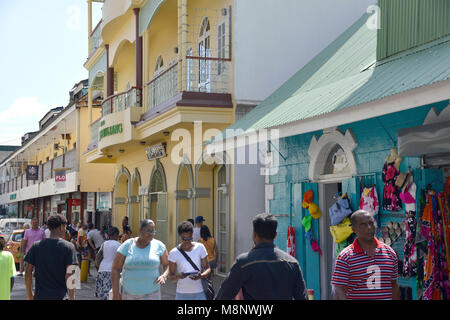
(95, 39)
(19, 189)
(200, 74)
(122, 101)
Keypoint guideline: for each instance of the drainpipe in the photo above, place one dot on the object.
(138, 50)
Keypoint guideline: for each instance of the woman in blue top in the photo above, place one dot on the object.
(139, 259)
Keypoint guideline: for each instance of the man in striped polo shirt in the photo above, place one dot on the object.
(367, 269)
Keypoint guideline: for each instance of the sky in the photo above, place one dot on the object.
(43, 46)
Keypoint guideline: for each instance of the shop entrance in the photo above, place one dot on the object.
(327, 193)
(158, 202)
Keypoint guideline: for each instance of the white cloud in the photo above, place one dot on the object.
(21, 117)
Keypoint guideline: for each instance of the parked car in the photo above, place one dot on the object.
(8, 225)
(13, 245)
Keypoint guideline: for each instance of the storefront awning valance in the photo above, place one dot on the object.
(428, 139)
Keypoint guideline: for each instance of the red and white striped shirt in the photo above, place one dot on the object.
(368, 278)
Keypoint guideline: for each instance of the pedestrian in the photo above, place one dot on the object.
(51, 259)
(189, 285)
(265, 272)
(95, 240)
(125, 225)
(31, 236)
(198, 224)
(126, 235)
(82, 241)
(109, 248)
(211, 247)
(21, 256)
(367, 269)
(74, 241)
(8, 270)
(139, 260)
(46, 230)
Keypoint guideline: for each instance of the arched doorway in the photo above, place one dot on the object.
(134, 199)
(121, 194)
(158, 201)
(212, 201)
(184, 193)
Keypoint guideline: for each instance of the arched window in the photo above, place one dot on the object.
(159, 65)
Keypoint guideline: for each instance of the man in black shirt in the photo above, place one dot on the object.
(265, 272)
(51, 259)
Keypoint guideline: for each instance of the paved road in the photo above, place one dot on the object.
(87, 291)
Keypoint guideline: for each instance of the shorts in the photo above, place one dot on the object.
(149, 296)
(190, 296)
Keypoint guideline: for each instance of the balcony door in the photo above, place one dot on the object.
(204, 51)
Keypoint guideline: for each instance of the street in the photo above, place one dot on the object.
(87, 291)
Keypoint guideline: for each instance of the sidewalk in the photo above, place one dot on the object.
(168, 291)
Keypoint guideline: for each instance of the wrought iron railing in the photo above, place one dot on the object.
(122, 101)
(162, 87)
(207, 74)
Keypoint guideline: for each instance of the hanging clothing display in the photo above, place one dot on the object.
(436, 284)
(369, 201)
(291, 241)
(391, 192)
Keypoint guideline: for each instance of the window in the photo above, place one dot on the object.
(221, 47)
(159, 65)
(204, 51)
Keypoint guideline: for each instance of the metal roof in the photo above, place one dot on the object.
(347, 74)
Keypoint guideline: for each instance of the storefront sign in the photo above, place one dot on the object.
(75, 202)
(90, 206)
(109, 131)
(32, 172)
(60, 178)
(156, 151)
(13, 196)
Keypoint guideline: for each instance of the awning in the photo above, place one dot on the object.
(424, 140)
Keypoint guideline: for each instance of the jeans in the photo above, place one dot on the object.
(190, 296)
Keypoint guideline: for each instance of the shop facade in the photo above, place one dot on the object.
(357, 120)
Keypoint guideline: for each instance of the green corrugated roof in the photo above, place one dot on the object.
(345, 74)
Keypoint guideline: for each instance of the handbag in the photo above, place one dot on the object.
(340, 210)
(99, 257)
(206, 283)
(341, 231)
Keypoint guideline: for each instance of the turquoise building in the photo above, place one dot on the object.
(380, 90)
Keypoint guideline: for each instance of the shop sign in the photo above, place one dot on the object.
(33, 173)
(156, 151)
(109, 131)
(13, 196)
(60, 178)
(90, 206)
(75, 202)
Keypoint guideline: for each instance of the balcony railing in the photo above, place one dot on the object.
(94, 130)
(122, 101)
(202, 74)
(45, 172)
(162, 87)
(95, 38)
(207, 74)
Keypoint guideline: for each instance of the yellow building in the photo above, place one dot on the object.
(164, 70)
(59, 180)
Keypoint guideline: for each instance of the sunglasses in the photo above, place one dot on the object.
(187, 239)
(149, 231)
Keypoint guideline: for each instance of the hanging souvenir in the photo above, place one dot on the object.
(340, 210)
(291, 241)
(391, 170)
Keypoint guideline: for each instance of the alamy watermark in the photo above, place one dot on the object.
(234, 147)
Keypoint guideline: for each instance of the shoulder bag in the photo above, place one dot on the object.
(99, 257)
(206, 283)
